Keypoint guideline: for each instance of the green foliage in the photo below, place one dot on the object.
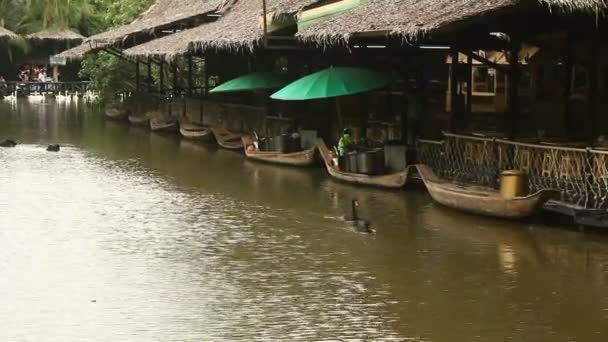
(114, 13)
(108, 74)
(77, 15)
(11, 12)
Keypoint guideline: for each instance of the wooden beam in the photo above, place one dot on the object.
(190, 76)
(469, 85)
(161, 83)
(206, 75)
(137, 77)
(454, 89)
(149, 80)
(568, 73)
(485, 61)
(513, 108)
(594, 78)
(175, 79)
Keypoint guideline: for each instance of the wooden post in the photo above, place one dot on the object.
(568, 75)
(149, 80)
(190, 77)
(137, 76)
(175, 79)
(206, 75)
(594, 70)
(454, 90)
(161, 83)
(470, 86)
(512, 88)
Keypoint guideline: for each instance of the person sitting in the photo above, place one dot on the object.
(346, 143)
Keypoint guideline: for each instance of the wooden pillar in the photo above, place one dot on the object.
(469, 85)
(514, 74)
(137, 76)
(190, 77)
(149, 80)
(175, 79)
(594, 71)
(161, 83)
(206, 75)
(568, 75)
(454, 91)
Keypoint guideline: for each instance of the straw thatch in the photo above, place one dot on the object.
(161, 13)
(80, 51)
(61, 36)
(239, 29)
(6, 34)
(413, 19)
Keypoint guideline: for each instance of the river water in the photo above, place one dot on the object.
(126, 235)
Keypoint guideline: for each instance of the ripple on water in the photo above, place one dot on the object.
(96, 250)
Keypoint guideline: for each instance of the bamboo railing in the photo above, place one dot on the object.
(580, 174)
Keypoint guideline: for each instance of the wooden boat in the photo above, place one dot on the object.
(301, 158)
(394, 180)
(164, 124)
(227, 139)
(139, 120)
(117, 113)
(482, 200)
(195, 132)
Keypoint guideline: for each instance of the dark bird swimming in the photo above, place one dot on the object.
(8, 143)
(53, 148)
(359, 225)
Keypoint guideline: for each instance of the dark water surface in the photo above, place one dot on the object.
(130, 236)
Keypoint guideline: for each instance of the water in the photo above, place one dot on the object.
(130, 236)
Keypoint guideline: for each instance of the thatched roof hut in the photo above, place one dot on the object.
(161, 14)
(79, 52)
(54, 35)
(6, 34)
(413, 19)
(240, 28)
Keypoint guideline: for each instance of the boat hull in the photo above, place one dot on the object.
(195, 132)
(116, 113)
(395, 180)
(227, 139)
(301, 158)
(139, 120)
(164, 125)
(481, 200)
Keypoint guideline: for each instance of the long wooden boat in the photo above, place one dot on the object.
(195, 132)
(116, 113)
(394, 180)
(138, 120)
(482, 200)
(301, 158)
(164, 124)
(227, 139)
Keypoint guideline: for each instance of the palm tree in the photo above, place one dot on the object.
(11, 12)
(77, 15)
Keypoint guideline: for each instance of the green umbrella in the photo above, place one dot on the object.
(333, 82)
(254, 81)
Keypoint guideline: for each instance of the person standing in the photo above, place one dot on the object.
(346, 143)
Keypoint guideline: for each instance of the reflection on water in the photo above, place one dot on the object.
(127, 235)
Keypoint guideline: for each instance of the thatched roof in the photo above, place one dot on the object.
(6, 34)
(161, 13)
(240, 28)
(411, 19)
(56, 35)
(80, 51)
